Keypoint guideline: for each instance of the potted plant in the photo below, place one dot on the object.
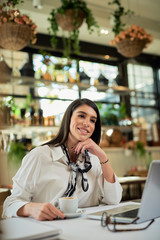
(140, 153)
(16, 152)
(69, 17)
(16, 30)
(112, 114)
(130, 41)
(140, 149)
(18, 149)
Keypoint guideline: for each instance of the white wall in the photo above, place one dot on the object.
(121, 163)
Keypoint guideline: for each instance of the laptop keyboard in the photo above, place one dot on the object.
(129, 214)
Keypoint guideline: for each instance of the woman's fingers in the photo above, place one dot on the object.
(52, 212)
(43, 211)
(56, 211)
(91, 146)
(82, 146)
(42, 216)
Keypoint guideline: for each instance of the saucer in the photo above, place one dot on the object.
(74, 215)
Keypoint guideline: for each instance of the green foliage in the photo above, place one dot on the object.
(16, 152)
(13, 3)
(122, 111)
(117, 14)
(2, 105)
(140, 150)
(99, 106)
(73, 36)
(29, 101)
(57, 66)
(112, 113)
(9, 102)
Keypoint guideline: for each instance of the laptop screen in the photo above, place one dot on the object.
(149, 207)
(150, 203)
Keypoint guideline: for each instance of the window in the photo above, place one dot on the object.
(144, 100)
(94, 71)
(64, 92)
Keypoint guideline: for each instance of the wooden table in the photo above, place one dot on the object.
(140, 173)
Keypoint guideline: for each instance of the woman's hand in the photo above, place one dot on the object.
(40, 211)
(92, 147)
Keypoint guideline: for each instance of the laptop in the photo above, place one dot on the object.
(150, 203)
(19, 228)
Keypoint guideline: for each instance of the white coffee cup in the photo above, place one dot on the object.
(68, 204)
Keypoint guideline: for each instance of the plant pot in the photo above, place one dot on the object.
(14, 36)
(130, 48)
(66, 21)
(128, 152)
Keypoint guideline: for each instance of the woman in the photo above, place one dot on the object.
(70, 164)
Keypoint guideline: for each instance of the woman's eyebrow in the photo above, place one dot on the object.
(86, 114)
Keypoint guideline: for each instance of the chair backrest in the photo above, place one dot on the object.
(4, 193)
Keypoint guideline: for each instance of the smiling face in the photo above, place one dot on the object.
(82, 124)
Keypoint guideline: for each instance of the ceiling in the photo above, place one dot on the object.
(146, 15)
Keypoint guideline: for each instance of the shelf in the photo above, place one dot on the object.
(33, 82)
(29, 129)
(122, 128)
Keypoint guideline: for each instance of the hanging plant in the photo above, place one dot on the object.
(69, 17)
(117, 15)
(130, 41)
(16, 30)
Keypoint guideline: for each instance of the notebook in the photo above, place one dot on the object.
(25, 228)
(150, 203)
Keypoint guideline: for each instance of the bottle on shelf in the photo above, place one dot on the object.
(40, 117)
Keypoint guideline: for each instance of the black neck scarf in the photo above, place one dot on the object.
(80, 167)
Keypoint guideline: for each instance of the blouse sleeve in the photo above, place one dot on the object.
(112, 191)
(24, 183)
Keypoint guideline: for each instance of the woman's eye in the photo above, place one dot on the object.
(81, 116)
(93, 121)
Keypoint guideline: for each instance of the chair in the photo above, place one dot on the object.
(4, 193)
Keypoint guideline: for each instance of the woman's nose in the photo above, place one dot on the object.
(85, 124)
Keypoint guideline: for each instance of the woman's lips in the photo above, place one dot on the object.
(83, 130)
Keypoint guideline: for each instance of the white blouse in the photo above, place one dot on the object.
(43, 177)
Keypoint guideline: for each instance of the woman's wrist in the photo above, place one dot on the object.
(104, 162)
(24, 210)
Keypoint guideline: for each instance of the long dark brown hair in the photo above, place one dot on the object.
(64, 129)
